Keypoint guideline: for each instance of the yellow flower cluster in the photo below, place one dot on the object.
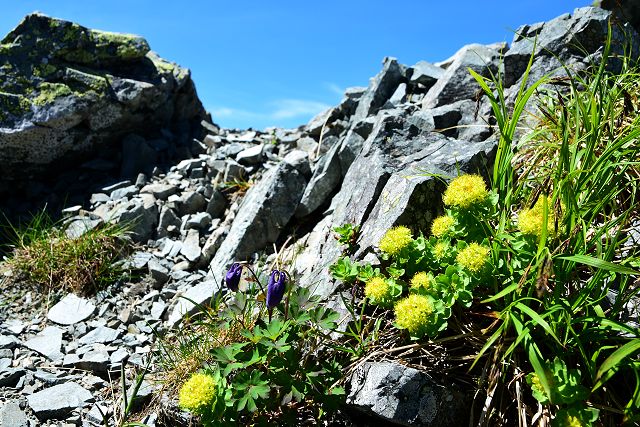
(422, 280)
(395, 239)
(198, 393)
(572, 421)
(473, 257)
(530, 220)
(377, 289)
(442, 225)
(536, 385)
(465, 190)
(440, 249)
(413, 313)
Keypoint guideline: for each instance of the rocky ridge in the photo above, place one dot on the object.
(367, 161)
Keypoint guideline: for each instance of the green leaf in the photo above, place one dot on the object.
(598, 263)
(613, 362)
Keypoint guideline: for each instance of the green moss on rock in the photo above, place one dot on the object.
(49, 92)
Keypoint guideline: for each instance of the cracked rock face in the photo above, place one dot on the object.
(405, 396)
(68, 91)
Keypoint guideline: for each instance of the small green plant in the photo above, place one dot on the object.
(272, 355)
(44, 254)
(236, 186)
(347, 234)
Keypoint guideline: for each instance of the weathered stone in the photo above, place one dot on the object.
(191, 202)
(199, 294)
(217, 204)
(12, 416)
(425, 74)
(405, 396)
(380, 89)
(160, 191)
(265, 210)
(124, 193)
(78, 226)
(168, 218)
(191, 246)
(250, 156)
(71, 309)
(101, 334)
(457, 83)
(59, 400)
(9, 377)
(299, 159)
(198, 221)
(48, 342)
(8, 342)
(94, 361)
(326, 178)
(234, 171)
(62, 109)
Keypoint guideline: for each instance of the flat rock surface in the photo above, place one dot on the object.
(59, 400)
(71, 309)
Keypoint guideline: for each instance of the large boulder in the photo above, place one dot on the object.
(69, 93)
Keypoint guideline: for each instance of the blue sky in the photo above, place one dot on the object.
(278, 63)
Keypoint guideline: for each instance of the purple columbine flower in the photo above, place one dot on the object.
(276, 288)
(232, 277)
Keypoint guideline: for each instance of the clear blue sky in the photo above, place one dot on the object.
(278, 63)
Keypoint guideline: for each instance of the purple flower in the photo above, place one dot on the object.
(276, 288)
(232, 277)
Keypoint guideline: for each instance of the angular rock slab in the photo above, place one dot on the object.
(48, 342)
(265, 210)
(71, 309)
(59, 400)
(12, 415)
(457, 83)
(200, 294)
(405, 396)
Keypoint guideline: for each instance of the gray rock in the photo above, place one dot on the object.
(12, 416)
(70, 310)
(191, 246)
(63, 108)
(138, 260)
(168, 218)
(113, 187)
(380, 89)
(308, 145)
(399, 96)
(157, 310)
(217, 204)
(191, 202)
(250, 156)
(563, 40)
(101, 334)
(79, 225)
(14, 326)
(158, 272)
(160, 191)
(265, 210)
(326, 177)
(8, 342)
(425, 74)
(94, 361)
(299, 159)
(124, 193)
(141, 215)
(234, 171)
(59, 400)
(457, 83)
(405, 396)
(9, 377)
(200, 294)
(198, 221)
(48, 342)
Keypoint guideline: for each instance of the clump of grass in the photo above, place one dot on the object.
(44, 255)
(236, 187)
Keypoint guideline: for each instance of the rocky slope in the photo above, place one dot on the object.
(366, 161)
